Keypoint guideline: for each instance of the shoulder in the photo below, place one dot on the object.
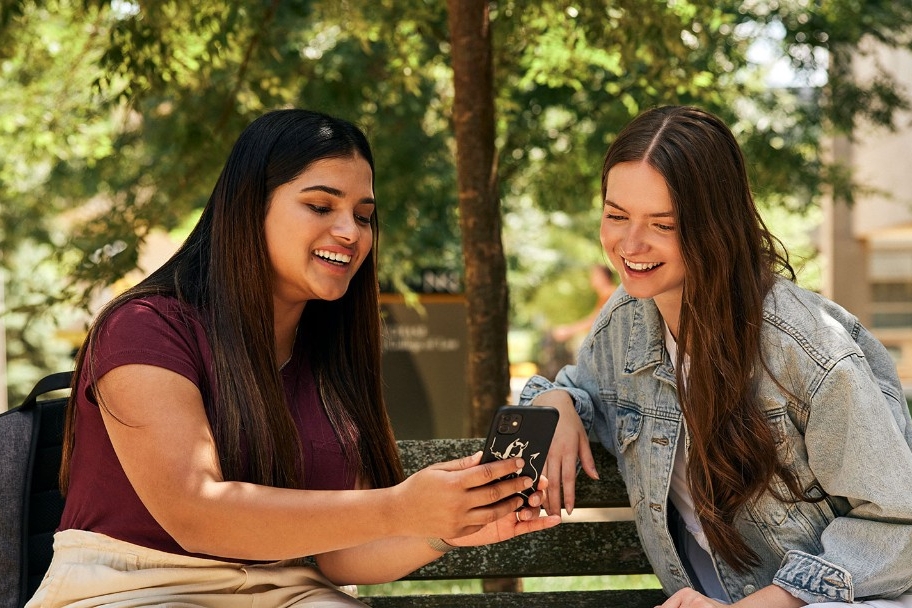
(151, 314)
(794, 316)
(151, 330)
(161, 305)
(807, 336)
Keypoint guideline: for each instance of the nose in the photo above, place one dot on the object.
(346, 229)
(633, 240)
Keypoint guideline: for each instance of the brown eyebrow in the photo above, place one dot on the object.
(336, 193)
(608, 203)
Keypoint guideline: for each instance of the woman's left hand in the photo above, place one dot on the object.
(528, 519)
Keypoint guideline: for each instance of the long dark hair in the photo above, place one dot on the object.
(223, 271)
(730, 263)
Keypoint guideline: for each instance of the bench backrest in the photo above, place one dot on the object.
(31, 507)
(585, 548)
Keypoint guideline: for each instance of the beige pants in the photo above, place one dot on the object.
(90, 570)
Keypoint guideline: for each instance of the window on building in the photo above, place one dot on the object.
(891, 304)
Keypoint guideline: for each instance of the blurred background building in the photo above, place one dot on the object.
(866, 246)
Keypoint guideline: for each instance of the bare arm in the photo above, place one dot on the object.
(164, 443)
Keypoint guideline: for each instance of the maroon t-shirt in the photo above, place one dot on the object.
(159, 331)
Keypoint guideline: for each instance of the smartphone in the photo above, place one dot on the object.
(522, 432)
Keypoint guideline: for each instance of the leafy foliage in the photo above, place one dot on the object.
(116, 115)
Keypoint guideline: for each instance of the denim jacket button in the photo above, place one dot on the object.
(748, 589)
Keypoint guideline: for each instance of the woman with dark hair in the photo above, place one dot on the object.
(760, 429)
(227, 417)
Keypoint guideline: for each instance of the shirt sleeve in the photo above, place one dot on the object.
(151, 332)
(582, 401)
(857, 446)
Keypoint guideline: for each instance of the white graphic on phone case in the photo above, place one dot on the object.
(515, 450)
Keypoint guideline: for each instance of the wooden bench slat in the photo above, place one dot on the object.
(591, 548)
(634, 598)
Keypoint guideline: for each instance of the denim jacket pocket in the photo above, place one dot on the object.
(784, 434)
(629, 423)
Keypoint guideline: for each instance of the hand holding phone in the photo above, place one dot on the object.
(522, 432)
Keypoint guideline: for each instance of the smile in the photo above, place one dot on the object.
(334, 258)
(639, 266)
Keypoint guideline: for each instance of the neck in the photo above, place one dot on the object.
(670, 309)
(286, 328)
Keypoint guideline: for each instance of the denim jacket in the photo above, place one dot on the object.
(842, 424)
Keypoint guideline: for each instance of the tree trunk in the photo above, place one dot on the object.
(479, 209)
(479, 219)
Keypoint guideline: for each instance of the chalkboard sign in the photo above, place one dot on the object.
(424, 366)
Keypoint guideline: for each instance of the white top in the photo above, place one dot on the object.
(679, 492)
(699, 554)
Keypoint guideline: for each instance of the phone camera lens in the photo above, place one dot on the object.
(509, 424)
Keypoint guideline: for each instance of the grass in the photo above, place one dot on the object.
(552, 583)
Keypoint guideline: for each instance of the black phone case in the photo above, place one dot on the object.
(522, 432)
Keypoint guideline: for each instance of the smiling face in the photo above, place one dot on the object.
(318, 230)
(638, 233)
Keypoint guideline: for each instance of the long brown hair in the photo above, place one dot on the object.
(730, 262)
(223, 271)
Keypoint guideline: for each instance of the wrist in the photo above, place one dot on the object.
(393, 499)
(558, 398)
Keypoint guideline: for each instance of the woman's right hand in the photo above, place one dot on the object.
(569, 446)
(457, 497)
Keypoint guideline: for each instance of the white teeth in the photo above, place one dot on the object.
(340, 258)
(638, 266)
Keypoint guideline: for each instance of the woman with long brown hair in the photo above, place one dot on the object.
(227, 418)
(761, 430)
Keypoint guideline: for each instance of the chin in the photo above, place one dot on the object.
(639, 293)
(333, 296)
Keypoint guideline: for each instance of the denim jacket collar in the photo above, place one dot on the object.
(646, 343)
